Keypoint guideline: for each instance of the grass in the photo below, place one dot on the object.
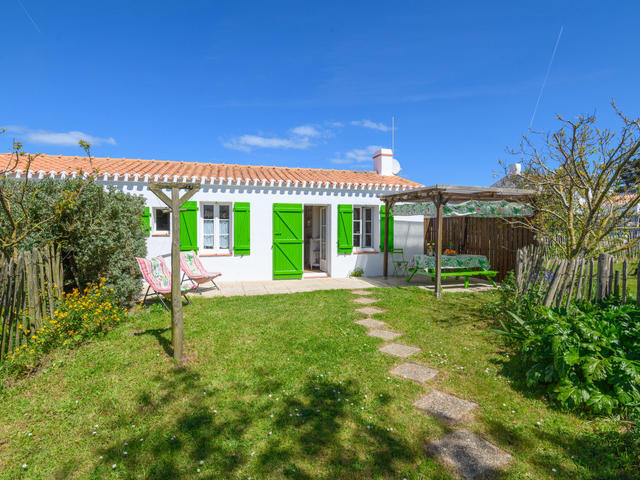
(287, 386)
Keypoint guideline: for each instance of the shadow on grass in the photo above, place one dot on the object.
(164, 342)
(316, 433)
(605, 454)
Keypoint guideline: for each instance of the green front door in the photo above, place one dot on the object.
(287, 240)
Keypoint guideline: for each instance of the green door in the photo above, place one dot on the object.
(287, 240)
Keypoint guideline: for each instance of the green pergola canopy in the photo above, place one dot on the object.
(476, 208)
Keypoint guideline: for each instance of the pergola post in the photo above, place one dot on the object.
(439, 203)
(174, 203)
(387, 212)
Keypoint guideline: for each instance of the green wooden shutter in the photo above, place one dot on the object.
(345, 228)
(189, 226)
(146, 220)
(287, 240)
(241, 229)
(382, 215)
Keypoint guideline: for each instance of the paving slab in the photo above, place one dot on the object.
(365, 300)
(370, 310)
(446, 407)
(371, 323)
(471, 455)
(413, 371)
(399, 350)
(362, 292)
(384, 334)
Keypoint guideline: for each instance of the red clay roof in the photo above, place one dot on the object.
(195, 171)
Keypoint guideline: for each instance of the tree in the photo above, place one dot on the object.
(579, 171)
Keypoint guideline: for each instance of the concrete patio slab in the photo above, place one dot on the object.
(384, 334)
(413, 371)
(448, 408)
(229, 289)
(399, 350)
(371, 323)
(370, 310)
(365, 300)
(362, 292)
(471, 455)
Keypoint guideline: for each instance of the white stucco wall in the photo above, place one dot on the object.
(258, 265)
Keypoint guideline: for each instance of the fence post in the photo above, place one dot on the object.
(624, 281)
(638, 285)
(616, 288)
(590, 286)
(612, 268)
(600, 284)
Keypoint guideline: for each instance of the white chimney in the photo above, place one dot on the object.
(515, 169)
(384, 163)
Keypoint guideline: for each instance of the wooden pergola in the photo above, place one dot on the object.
(441, 195)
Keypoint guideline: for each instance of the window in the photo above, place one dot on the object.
(161, 220)
(363, 227)
(216, 227)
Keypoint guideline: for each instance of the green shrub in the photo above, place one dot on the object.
(586, 357)
(79, 316)
(99, 231)
(357, 272)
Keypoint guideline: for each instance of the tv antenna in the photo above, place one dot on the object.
(393, 121)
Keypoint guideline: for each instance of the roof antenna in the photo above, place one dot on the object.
(392, 134)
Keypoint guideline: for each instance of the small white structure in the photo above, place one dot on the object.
(262, 223)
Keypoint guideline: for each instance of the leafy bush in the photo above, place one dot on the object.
(79, 317)
(99, 231)
(586, 357)
(357, 272)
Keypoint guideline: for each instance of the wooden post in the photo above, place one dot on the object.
(638, 285)
(611, 271)
(387, 212)
(624, 281)
(438, 280)
(174, 203)
(602, 272)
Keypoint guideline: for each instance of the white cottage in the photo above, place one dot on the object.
(261, 223)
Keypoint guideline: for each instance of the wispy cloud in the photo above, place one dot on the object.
(356, 156)
(306, 131)
(65, 139)
(299, 138)
(372, 125)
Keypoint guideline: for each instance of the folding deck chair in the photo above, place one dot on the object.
(157, 275)
(193, 269)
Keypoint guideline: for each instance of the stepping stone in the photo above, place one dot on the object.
(399, 350)
(370, 310)
(446, 407)
(364, 300)
(470, 454)
(384, 334)
(415, 372)
(361, 292)
(371, 323)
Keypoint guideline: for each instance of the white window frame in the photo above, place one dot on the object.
(154, 230)
(216, 227)
(362, 235)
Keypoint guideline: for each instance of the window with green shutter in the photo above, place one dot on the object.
(189, 226)
(382, 215)
(146, 220)
(241, 228)
(345, 228)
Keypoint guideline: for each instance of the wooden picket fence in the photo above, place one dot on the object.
(559, 281)
(31, 283)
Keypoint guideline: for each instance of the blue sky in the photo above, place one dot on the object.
(311, 84)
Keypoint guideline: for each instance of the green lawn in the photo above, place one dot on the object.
(287, 386)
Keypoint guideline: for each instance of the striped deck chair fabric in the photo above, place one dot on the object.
(192, 267)
(157, 275)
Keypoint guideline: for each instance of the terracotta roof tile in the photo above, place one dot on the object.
(208, 171)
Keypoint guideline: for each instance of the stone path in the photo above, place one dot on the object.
(469, 454)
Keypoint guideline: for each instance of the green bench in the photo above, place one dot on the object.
(429, 272)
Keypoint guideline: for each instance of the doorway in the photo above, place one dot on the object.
(315, 241)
